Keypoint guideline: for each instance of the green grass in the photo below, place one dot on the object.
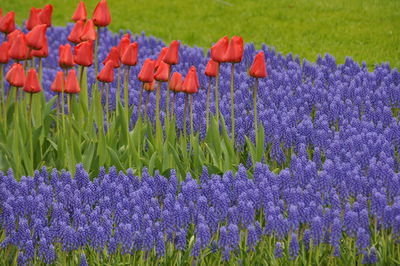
(366, 30)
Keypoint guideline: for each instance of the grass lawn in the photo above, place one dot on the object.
(366, 30)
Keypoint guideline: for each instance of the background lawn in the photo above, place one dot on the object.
(366, 30)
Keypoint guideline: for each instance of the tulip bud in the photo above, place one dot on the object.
(7, 23)
(13, 36)
(65, 59)
(4, 57)
(32, 84)
(19, 49)
(218, 50)
(83, 53)
(172, 55)
(89, 32)
(45, 15)
(58, 83)
(101, 15)
(123, 44)
(258, 68)
(162, 72)
(130, 55)
(234, 53)
(72, 84)
(80, 12)
(76, 32)
(33, 19)
(16, 75)
(191, 84)
(35, 37)
(113, 56)
(211, 68)
(146, 74)
(160, 57)
(106, 75)
(44, 51)
(175, 84)
(150, 86)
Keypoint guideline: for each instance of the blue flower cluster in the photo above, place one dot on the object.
(124, 213)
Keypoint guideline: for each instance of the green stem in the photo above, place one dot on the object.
(146, 105)
(255, 108)
(173, 105)
(191, 114)
(118, 93)
(208, 102)
(216, 95)
(168, 96)
(69, 98)
(107, 106)
(40, 70)
(140, 101)
(184, 114)
(126, 94)
(96, 48)
(233, 103)
(2, 106)
(158, 122)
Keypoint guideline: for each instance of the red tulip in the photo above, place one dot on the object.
(33, 19)
(13, 36)
(175, 84)
(234, 53)
(146, 74)
(83, 53)
(76, 32)
(65, 59)
(7, 23)
(211, 68)
(113, 56)
(106, 75)
(123, 44)
(218, 50)
(16, 75)
(101, 15)
(4, 57)
(44, 51)
(160, 57)
(162, 72)
(45, 15)
(150, 86)
(191, 84)
(89, 32)
(172, 55)
(19, 49)
(72, 84)
(35, 37)
(131, 54)
(32, 84)
(258, 69)
(58, 83)
(80, 12)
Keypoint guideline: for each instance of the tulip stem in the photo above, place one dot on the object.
(158, 122)
(140, 101)
(2, 90)
(168, 96)
(216, 94)
(184, 114)
(63, 101)
(126, 95)
(208, 102)
(96, 57)
(173, 105)
(118, 92)
(30, 109)
(255, 107)
(146, 105)
(191, 114)
(107, 103)
(69, 99)
(233, 102)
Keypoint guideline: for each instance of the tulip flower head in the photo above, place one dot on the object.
(65, 59)
(175, 84)
(19, 49)
(16, 75)
(191, 83)
(35, 37)
(172, 55)
(76, 32)
(234, 52)
(7, 23)
(123, 44)
(88, 32)
(83, 53)
(4, 56)
(101, 15)
(45, 15)
(80, 12)
(211, 68)
(58, 83)
(72, 84)
(44, 51)
(258, 68)
(146, 74)
(33, 19)
(219, 49)
(160, 57)
(149, 86)
(32, 84)
(162, 72)
(106, 75)
(130, 55)
(113, 56)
